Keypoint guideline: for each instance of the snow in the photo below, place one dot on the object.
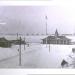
(72, 38)
(35, 56)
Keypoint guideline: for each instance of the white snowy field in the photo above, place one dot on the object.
(34, 56)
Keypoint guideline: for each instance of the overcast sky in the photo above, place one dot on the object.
(31, 19)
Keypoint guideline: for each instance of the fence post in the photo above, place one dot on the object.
(20, 52)
(49, 47)
(24, 43)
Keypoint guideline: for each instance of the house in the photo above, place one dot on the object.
(56, 39)
(4, 42)
(18, 42)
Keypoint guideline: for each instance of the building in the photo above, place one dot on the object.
(8, 43)
(4, 42)
(56, 39)
(18, 41)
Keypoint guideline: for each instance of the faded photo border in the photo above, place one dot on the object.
(26, 0)
(36, 71)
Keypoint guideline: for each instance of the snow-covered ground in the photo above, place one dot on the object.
(35, 56)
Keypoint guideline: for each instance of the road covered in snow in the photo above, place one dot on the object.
(34, 56)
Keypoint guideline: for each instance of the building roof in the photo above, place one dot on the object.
(56, 33)
(3, 39)
(59, 37)
(56, 36)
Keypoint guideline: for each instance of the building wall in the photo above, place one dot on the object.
(60, 41)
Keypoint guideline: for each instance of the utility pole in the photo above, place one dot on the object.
(46, 34)
(24, 43)
(20, 52)
(17, 36)
(46, 29)
(49, 45)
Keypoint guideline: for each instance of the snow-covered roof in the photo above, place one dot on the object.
(72, 38)
(58, 37)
